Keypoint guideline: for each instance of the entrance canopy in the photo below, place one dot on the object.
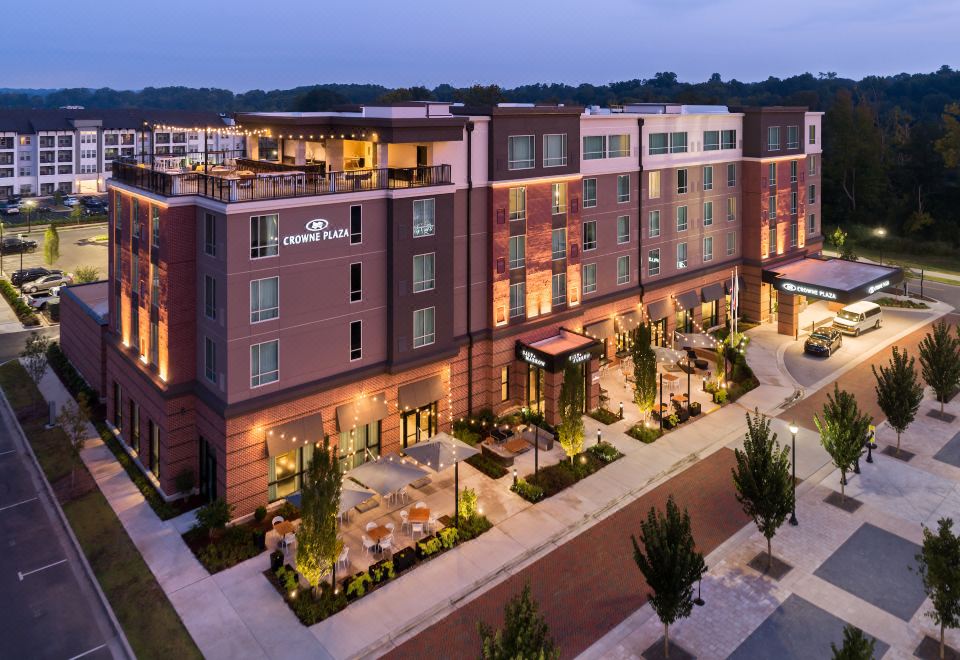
(555, 353)
(836, 280)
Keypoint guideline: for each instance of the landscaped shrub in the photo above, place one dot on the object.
(428, 547)
(467, 503)
(720, 396)
(605, 452)
(472, 527)
(311, 609)
(901, 302)
(288, 511)
(489, 466)
(260, 514)
(358, 585)
(235, 545)
(448, 537)
(214, 516)
(604, 416)
(23, 311)
(644, 434)
(527, 490)
(287, 577)
(381, 571)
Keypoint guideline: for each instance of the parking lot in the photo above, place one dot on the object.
(77, 248)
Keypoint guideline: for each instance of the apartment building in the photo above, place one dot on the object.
(72, 150)
(370, 275)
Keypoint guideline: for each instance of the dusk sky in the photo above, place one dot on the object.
(247, 44)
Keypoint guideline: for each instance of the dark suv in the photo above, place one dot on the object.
(823, 342)
(15, 245)
(30, 274)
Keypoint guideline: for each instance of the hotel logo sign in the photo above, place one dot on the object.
(530, 357)
(318, 229)
(804, 290)
(879, 285)
(577, 358)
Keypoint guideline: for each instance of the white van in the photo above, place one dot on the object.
(854, 319)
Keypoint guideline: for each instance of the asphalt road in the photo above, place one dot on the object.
(49, 607)
(948, 293)
(77, 248)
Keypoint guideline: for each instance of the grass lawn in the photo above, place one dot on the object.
(149, 621)
(942, 263)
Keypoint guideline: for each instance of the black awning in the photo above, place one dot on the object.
(659, 309)
(836, 280)
(420, 393)
(599, 329)
(629, 320)
(361, 412)
(712, 292)
(295, 433)
(688, 300)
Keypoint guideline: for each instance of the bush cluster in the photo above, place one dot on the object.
(235, 545)
(604, 416)
(23, 311)
(488, 466)
(645, 435)
(72, 379)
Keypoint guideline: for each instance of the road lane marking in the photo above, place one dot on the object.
(9, 451)
(42, 568)
(10, 506)
(93, 650)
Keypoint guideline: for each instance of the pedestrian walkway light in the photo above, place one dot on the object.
(793, 444)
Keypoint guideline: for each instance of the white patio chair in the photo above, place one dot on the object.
(368, 544)
(416, 528)
(386, 543)
(404, 520)
(391, 527)
(432, 523)
(277, 520)
(420, 505)
(371, 525)
(288, 540)
(344, 558)
(402, 494)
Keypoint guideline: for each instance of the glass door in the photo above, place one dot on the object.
(208, 471)
(535, 388)
(658, 333)
(419, 425)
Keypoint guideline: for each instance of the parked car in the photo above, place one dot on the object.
(30, 274)
(70, 200)
(854, 319)
(823, 342)
(41, 299)
(10, 208)
(15, 245)
(93, 200)
(47, 282)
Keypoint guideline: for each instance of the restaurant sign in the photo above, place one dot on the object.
(555, 363)
(318, 229)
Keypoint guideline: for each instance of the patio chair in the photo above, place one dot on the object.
(344, 558)
(368, 544)
(277, 520)
(386, 543)
(391, 527)
(288, 540)
(402, 494)
(416, 528)
(404, 520)
(420, 505)
(432, 523)
(371, 525)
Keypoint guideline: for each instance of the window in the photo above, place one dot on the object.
(518, 297)
(589, 235)
(708, 177)
(623, 188)
(155, 225)
(812, 164)
(658, 144)
(264, 363)
(555, 150)
(154, 343)
(155, 289)
(558, 198)
(681, 255)
(682, 185)
(653, 222)
(594, 147)
(210, 234)
(285, 472)
(589, 193)
(772, 207)
(518, 203)
(135, 326)
(520, 152)
(356, 340)
(707, 214)
(135, 272)
(424, 332)
(772, 236)
(117, 405)
(728, 139)
(264, 236)
(209, 297)
(356, 282)
(708, 248)
(812, 223)
(812, 133)
(356, 225)
(773, 138)
(505, 382)
(793, 137)
(678, 143)
(424, 217)
(731, 209)
(559, 244)
(793, 203)
(812, 197)
(653, 262)
(711, 140)
(589, 278)
(731, 175)
(623, 269)
(623, 229)
(424, 272)
(619, 146)
(559, 289)
(681, 218)
(135, 218)
(264, 299)
(793, 171)
(793, 233)
(518, 251)
(24, 140)
(653, 185)
(154, 431)
(210, 359)
(731, 243)
(772, 175)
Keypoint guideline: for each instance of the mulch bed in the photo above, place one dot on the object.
(778, 568)
(847, 503)
(677, 652)
(902, 455)
(929, 649)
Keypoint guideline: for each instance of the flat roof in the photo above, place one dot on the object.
(93, 296)
(831, 279)
(563, 342)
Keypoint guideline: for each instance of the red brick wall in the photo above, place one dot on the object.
(81, 338)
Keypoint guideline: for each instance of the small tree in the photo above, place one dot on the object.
(670, 564)
(898, 392)
(644, 371)
(51, 245)
(34, 357)
(76, 213)
(73, 419)
(214, 516)
(940, 361)
(939, 566)
(318, 547)
(856, 645)
(84, 274)
(762, 478)
(843, 431)
(57, 198)
(570, 403)
(524, 635)
(720, 361)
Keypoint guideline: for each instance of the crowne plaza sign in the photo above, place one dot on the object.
(317, 230)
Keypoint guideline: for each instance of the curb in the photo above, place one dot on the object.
(118, 629)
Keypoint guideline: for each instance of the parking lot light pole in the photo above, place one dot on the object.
(881, 232)
(793, 444)
(29, 204)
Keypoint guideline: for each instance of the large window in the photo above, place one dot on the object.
(731, 243)
(731, 209)
(135, 218)
(589, 235)
(658, 144)
(359, 445)
(264, 363)
(812, 164)
(504, 382)
(623, 229)
(708, 177)
(708, 248)
(210, 234)
(682, 182)
(653, 222)
(653, 262)
(264, 236)
(794, 230)
(155, 226)
(773, 138)
(589, 278)
(356, 282)
(210, 359)
(589, 193)
(356, 340)
(618, 145)
(653, 185)
(424, 217)
(285, 472)
(154, 343)
(678, 143)
(558, 198)
(793, 137)
(681, 255)
(559, 244)
(728, 139)
(812, 223)
(793, 202)
(518, 251)
(594, 147)
(518, 297)
(623, 269)
(772, 239)
(707, 214)
(424, 331)
(812, 194)
(731, 175)
(681, 218)
(356, 225)
(555, 150)
(559, 286)
(772, 207)
(812, 133)
(424, 272)
(623, 188)
(264, 299)
(520, 152)
(518, 203)
(793, 171)
(711, 140)
(772, 175)
(209, 297)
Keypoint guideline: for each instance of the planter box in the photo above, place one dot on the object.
(695, 409)
(276, 561)
(404, 559)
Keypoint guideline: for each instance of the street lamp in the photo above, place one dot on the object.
(29, 204)
(599, 439)
(881, 232)
(793, 444)
(698, 601)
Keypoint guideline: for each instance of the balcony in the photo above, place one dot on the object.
(228, 184)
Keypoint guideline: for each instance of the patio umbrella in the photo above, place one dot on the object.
(439, 453)
(387, 475)
(351, 495)
(668, 354)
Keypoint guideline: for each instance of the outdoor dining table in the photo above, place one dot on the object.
(284, 528)
(420, 515)
(679, 398)
(377, 534)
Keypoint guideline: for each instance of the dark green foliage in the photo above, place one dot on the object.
(524, 636)
(552, 479)
(856, 645)
(528, 491)
(72, 380)
(311, 608)
(604, 416)
(214, 516)
(260, 514)
(473, 527)
(487, 465)
(940, 361)
(644, 434)
(235, 545)
(898, 392)
(605, 452)
(23, 311)
(843, 431)
(644, 370)
(570, 404)
(939, 567)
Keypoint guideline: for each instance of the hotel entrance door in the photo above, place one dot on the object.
(535, 388)
(419, 425)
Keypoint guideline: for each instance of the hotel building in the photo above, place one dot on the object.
(371, 275)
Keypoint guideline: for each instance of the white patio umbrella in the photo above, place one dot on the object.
(353, 494)
(388, 474)
(668, 355)
(439, 453)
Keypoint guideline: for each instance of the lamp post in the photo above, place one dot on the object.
(881, 232)
(599, 438)
(29, 204)
(660, 410)
(698, 601)
(621, 410)
(793, 444)
(689, 368)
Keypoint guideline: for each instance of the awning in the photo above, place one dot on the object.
(388, 474)
(599, 329)
(629, 320)
(659, 309)
(556, 352)
(836, 280)
(421, 393)
(364, 411)
(293, 434)
(712, 292)
(688, 300)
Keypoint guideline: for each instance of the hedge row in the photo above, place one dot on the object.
(23, 311)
